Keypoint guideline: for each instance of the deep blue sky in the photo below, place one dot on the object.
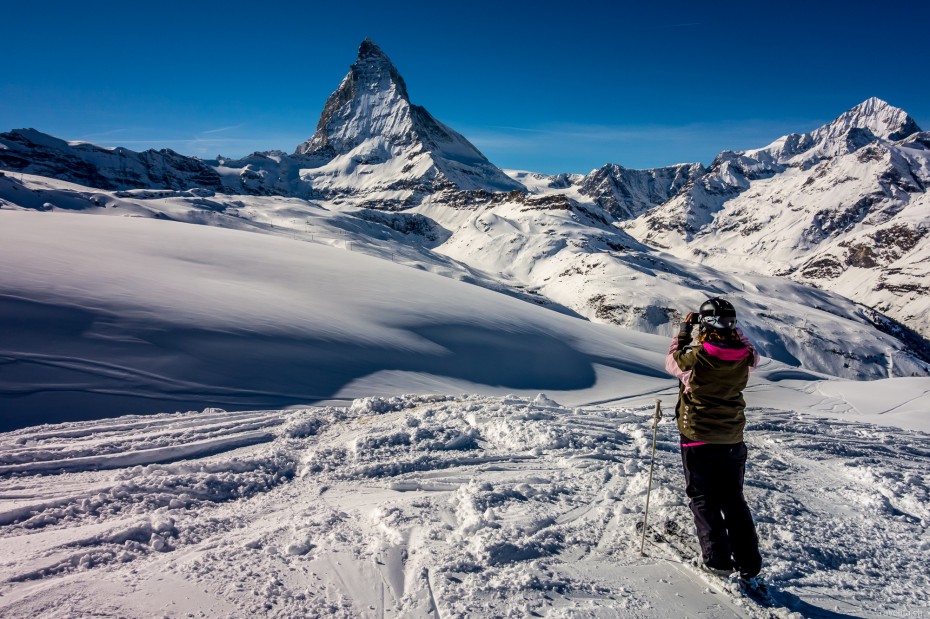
(545, 86)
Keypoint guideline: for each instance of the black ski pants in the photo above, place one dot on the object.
(714, 484)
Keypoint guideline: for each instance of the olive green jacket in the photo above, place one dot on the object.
(711, 382)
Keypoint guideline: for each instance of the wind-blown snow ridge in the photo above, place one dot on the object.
(451, 507)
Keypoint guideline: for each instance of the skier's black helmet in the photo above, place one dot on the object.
(718, 313)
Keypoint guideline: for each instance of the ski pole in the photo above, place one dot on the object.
(655, 431)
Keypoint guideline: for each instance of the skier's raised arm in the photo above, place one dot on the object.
(677, 362)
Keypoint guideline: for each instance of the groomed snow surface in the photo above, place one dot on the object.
(444, 506)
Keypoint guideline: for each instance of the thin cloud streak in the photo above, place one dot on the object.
(220, 130)
(232, 141)
(90, 137)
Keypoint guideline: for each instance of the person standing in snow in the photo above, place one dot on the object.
(712, 376)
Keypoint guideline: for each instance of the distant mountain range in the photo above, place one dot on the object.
(843, 208)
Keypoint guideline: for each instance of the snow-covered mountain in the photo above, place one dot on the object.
(623, 193)
(371, 141)
(556, 240)
(371, 145)
(844, 207)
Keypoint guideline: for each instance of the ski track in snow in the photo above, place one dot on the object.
(442, 507)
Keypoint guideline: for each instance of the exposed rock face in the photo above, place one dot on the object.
(371, 101)
(382, 146)
(626, 193)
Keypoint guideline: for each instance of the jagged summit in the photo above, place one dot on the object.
(374, 89)
(369, 52)
(873, 118)
(880, 117)
(370, 121)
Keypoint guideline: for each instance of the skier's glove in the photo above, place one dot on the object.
(684, 332)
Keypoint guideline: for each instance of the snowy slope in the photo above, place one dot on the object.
(108, 315)
(115, 314)
(844, 207)
(567, 251)
(443, 506)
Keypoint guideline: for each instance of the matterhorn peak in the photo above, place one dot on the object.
(369, 121)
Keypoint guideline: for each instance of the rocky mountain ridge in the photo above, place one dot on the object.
(32, 152)
(626, 193)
